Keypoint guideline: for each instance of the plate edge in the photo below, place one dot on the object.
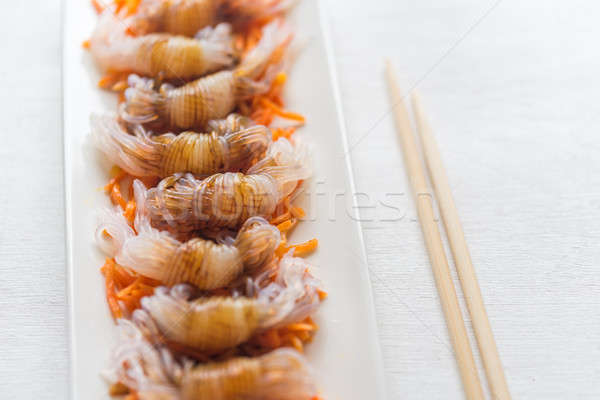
(331, 66)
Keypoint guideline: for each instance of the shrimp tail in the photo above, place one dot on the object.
(286, 376)
(245, 11)
(171, 201)
(150, 252)
(233, 123)
(256, 242)
(142, 102)
(135, 362)
(293, 296)
(113, 231)
(136, 154)
(260, 66)
(286, 163)
(217, 44)
(167, 308)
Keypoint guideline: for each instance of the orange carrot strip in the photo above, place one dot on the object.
(281, 218)
(86, 44)
(119, 86)
(117, 197)
(105, 81)
(282, 113)
(122, 277)
(297, 343)
(305, 336)
(118, 389)
(129, 213)
(280, 79)
(300, 326)
(111, 297)
(132, 6)
(119, 175)
(119, 4)
(287, 225)
(282, 132)
(297, 212)
(322, 295)
(305, 248)
(97, 6)
(115, 80)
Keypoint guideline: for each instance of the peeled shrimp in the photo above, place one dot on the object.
(186, 17)
(183, 203)
(213, 324)
(197, 153)
(161, 53)
(154, 374)
(210, 97)
(203, 263)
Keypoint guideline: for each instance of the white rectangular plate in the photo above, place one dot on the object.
(345, 354)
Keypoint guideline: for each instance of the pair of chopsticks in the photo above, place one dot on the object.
(437, 256)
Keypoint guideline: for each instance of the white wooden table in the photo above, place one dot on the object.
(512, 91)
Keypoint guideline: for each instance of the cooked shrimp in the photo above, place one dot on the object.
(213, 96)
(197, 153)
(183, 203)
(161, 53)
(233, 123)
(186, 17)
(213, 324)
(154, 373)
(203, 263)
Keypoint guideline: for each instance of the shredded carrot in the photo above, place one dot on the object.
(297, 212)
(119, 5)
(86, 44)
(293, 335)
(300, 250)
(118, 389)
(287, 225)
(97, 6)
(117, 197)
(297, 343)
(114, 80)
(113, 188)
(122, 277)
(281, 218)
(305, 248)
(129, 212)
(301, 326)
(322, 294)
(132, 6)
(124, 288)
(132, 294)
(279, 111)
(111, 296)
(283, 132)
(279, 80)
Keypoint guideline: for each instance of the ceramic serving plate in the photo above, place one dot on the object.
(345, 353)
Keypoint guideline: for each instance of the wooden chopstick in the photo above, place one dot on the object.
(433, 242)
(462, 258)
